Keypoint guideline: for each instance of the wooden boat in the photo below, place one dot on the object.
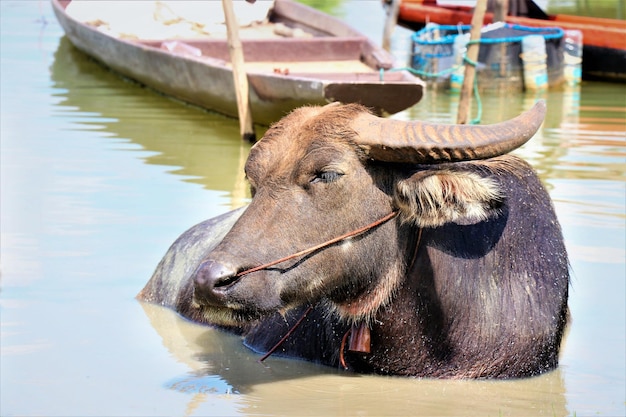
(604, 40)
(320, 60)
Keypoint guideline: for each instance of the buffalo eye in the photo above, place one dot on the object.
(326, 177)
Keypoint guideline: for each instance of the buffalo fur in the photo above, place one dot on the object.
(436, 197)
(469, 281)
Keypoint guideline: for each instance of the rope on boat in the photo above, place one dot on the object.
(548, 33)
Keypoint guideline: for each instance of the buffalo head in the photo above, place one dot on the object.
(321, 172)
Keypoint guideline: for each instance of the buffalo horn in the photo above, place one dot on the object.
(399, 141)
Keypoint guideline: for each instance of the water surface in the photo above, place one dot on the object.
(99, 176)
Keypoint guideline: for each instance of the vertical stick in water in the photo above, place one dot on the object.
(390, 23)
(472, 55)
(240, 78)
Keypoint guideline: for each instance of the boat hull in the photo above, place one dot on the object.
(207, 81)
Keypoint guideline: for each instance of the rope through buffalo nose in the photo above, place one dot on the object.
(362, 344)
(348, 235)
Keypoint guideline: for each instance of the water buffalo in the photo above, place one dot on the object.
(455, 267)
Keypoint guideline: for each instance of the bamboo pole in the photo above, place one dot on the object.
(246, 127)
(472, 55)
(499, 15)
(501, 10)
(390, 23)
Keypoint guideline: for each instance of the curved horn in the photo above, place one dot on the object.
(420, 142)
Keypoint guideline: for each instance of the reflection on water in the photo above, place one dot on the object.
(89, 205)
(220, 365)
(611, 9)
(204, 149)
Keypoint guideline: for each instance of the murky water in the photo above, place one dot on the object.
(99, 176)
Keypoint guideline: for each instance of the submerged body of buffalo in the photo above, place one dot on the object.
(470, 280)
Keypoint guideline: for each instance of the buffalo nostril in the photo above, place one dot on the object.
(226, 281)
(212, 275)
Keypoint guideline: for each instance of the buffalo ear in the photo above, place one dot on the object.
(434, 197)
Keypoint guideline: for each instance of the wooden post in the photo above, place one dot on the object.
(246, 127)
(501, 10)
(390, 23)
(472, 55)
(499, 15)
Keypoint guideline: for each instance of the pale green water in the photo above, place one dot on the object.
(99, 176)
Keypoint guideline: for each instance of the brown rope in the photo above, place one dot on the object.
(342, 359)
(322, 245)
(289, 332)
(307, 251)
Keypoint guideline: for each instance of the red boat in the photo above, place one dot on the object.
(604, 40)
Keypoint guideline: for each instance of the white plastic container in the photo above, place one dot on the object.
(460, 50)
(572, 56)
(534, 60)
